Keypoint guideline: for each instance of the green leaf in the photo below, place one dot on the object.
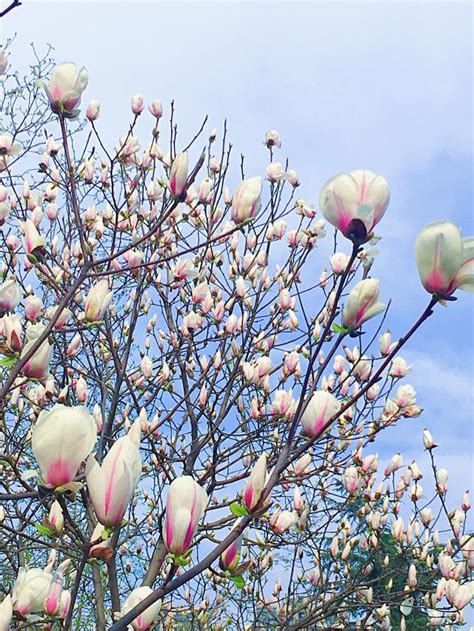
(7, 361)
(239, 581)
(238, 510)
(340, 329)
(44, 530)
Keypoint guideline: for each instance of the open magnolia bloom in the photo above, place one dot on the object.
(185, 505)
(65, 88)
(30, 590)
(147, 618)
(62, 439)
(354, 203)
(8, 149)
(112, 484)
(444, 259)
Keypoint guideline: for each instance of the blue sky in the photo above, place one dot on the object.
(383, 86)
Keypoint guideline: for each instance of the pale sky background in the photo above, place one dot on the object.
(383, 86)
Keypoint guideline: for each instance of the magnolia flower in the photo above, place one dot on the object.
(56, 516)
(137, 104)
(283, 403)
(362, 303)
(281, 521)
(354, 203)
(52, 603)
(30, 590)
(93, 110)
(339, 262)
(33, 307)
(10, 295)
(37, 367)
(246, 202)
(33, 241)
(256, 483)
(272, 138)
(179, 175)
(399, 367)
(112, 484)
(65, 88)
(428, 442)
(97, 301)
(156, 108)
(62, 439)
(322, 407)
(147, 618)
(445, 260)
(441, 480)
(385, 343)
(6, 612)
(12, 331)
(3, 62)
(229, 559)
(185, 505)
(7, 150)
(350, 479)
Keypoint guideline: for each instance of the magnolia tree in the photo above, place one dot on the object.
(191, 393)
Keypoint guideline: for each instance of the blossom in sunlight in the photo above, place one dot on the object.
(362, 303)
(37, 366)
(30, 590)
(322, 407)
(65, 88)
(33, 241)
(33, 307)
(428, 442)
(272, 138)
(56, 516)
(3, 62)
(354, 203)
(246, 202)
(6, 612)
(229, 559)
(184, 269)
(399, 367)
(12, 330)
(126, 149)
(185, 505)
(445, 260)
(156, 108)
(97, 301)
(255, 483)
(179, 174)
(112, 484)
(62, 439)
(52, 603)
(339, 262)
(8, 149)
(350, 479)
(137, 104)
(10, 295)
(93, 110)
(281, 521)
(147, 618)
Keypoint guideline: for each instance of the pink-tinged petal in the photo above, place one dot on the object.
(248, 496)
(59, 473)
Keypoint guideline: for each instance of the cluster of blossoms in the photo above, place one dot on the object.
(188, 408)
